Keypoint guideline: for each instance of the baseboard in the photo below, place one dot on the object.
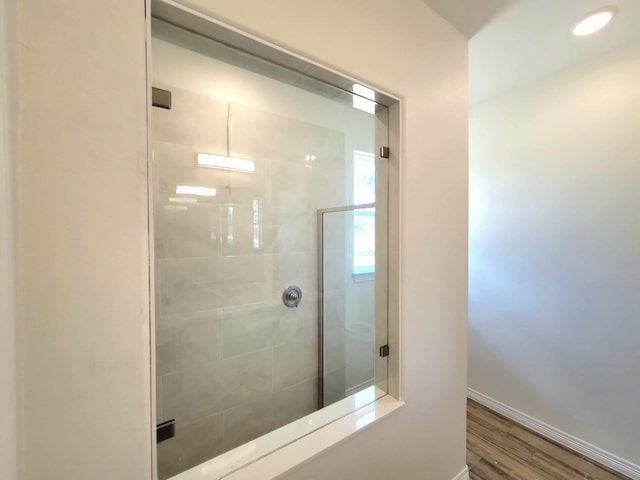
(463, 475)
(596, 454)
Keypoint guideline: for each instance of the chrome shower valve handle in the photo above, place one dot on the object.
(291, 296)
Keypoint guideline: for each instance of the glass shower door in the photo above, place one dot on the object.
(352, 323)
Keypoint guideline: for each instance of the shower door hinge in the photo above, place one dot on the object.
(165, 430)
(384, 152)
(384, 351)
(161, 98)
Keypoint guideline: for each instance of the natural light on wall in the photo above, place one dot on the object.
(364, 98)
(226, 163)
(364, 226)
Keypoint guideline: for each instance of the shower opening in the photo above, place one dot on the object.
(270, 226)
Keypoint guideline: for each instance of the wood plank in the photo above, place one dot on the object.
(481, 414)
(555, 469)
(472, 458)
(498, 449)
(486, 471)
(485, 432)
(568, 458)
(501, 461)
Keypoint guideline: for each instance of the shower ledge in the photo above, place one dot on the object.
(279, 451)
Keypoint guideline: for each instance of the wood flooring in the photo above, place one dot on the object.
(498, 448)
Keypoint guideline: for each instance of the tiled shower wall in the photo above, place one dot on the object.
(232, 361)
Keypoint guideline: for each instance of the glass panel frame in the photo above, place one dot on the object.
(300, 70)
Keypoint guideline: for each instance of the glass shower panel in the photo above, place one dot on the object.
(243, 160)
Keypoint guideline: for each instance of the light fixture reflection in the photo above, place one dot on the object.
(226, 163)
(182, 200)
(175, 208)
(594, 21)
(191, 190)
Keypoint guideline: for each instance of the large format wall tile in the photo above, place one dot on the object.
(295, 269)
(250, 328)
(297, 323)
(273, 136)
(192, 445)
(199, 284)
(194, 394)
(187, 230)
(295, 362)
(294, 230)
(195, 120)
(188, 341)
(248, 421)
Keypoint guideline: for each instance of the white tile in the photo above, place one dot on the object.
(191, 446)
(199, 284)
(266, 413)
(188, 342)
(295, 362)
(249, 329)
(192, 395)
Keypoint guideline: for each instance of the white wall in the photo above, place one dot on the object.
(405, 48)
(83, 244)
(555, 251)
(84, 344)
(7, 229)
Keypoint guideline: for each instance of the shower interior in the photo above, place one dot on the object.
(309, 210)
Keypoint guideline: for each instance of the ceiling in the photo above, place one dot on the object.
(515, 42)
(468, 16)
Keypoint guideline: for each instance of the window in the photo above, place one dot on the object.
(364, 220)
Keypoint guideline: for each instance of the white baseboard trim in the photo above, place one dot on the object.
(597, 454)
(463, 475)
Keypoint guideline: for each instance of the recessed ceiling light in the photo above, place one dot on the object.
(594, 21)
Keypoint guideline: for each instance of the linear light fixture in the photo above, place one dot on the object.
(191, 190)
(226, 163)
(594, 21)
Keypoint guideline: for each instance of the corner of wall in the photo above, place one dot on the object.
(8, 403)
(463, 475)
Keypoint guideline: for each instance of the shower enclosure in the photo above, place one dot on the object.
(270, 239)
